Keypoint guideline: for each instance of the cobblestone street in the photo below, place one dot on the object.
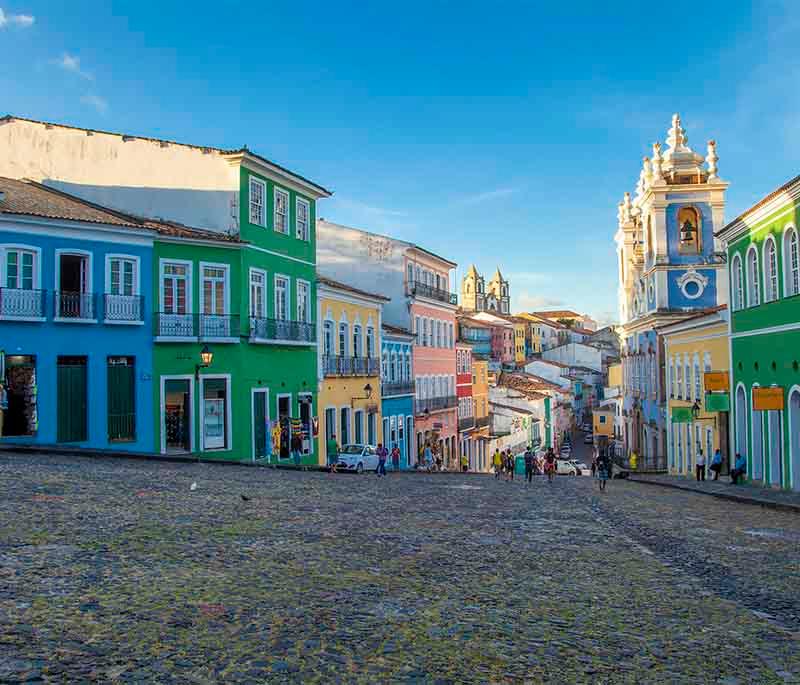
(116, 570)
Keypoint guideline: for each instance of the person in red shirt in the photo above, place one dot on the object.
(382, 453)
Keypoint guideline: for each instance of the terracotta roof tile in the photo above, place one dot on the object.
(349, 288)
(396, 330)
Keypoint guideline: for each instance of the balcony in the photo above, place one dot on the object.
(193, 327)
(282, 332)
(398, 388)
(350, 366)
(467, 423)
(175, 327)
(22, 305)
(432, 404)
(79, 307)
(420, 289)
(123, 308)
(483, 421)
(219, 327)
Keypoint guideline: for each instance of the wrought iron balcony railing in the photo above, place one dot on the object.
(74, 305)
(350, 366)
(280, 330)
(482, 421)
(129, 308)
(398, 388)
(431, 404)
(18, 303)
(169, 325)
(466, 423)
(432, 292)
(218, 325)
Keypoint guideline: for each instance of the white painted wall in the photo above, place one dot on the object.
(576, 354)
(554, 374)
(190, 185)
(367, 261)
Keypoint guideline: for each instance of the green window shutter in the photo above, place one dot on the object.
(121, 399)
(71, 399)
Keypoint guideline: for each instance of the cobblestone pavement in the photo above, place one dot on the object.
(115, 570)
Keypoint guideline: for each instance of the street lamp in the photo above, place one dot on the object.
(206, 357)
(367, 394)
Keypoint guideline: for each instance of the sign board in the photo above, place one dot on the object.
(767, 399)
(718, 401)
(717, 381)
(681, 415)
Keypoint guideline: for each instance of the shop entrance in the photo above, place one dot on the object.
(177, 414)
(20, 381)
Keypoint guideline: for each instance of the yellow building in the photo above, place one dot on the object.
(603, 422)
(349, 351)
(480, 398)
(697, 370)
(615, 375)
(520, 333)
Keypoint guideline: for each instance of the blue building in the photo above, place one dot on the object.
(477, 334)
(397, 392)
(75, 355)
(669, 269)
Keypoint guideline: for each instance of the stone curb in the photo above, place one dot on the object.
(732, 497)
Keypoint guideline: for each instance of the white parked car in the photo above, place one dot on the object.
(583, 470)
(565, 468)
(358, 458)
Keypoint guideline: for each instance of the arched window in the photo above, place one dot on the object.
(770, 270)
(689, 228)
(737, 280)
(385, 366)
(357, 341)
(697, 393)
(741, 421)
(791, 263)
(753, 287)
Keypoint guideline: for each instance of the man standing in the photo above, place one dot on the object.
(716, 464)
(529, 465)
(396, 458)
(332, 449)
(382, 453)
(700, 466)
(464, 463)
(497, 462)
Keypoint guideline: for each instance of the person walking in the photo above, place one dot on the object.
(497, 462)
(716, 464)
(603, 470)
(550, 464)
(396, 458)
(739, 469)
(464, 463)
(297, 448)
(332, 449)
(427, 457)
(700, 466)
(383, 454)
(529, 466)
(510, 465)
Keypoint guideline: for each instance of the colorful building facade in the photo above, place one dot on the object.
(466, 404)
(669, 268)
(76, 353)
(397, 392)
(350, 366)
(697, 358)
(764, 261)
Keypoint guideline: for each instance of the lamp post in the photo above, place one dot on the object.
(367, 395)
(206, 357)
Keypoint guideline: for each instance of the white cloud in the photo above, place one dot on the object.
(72, 64)
(99, 103)
(528, 302)
(21, 20)
(487, 195)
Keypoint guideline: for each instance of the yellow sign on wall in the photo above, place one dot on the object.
(717, 381)
(767, 399)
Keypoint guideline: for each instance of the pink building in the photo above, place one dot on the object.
(433, 313)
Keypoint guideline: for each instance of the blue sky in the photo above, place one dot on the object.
(495, 134)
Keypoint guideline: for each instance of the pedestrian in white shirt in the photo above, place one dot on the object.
(700, 466)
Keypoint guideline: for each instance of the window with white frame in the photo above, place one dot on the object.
(707, 362)
(281, 215)
(687, 377)
(697, 391)
(393, 368)
(738, 283)
(122, 276)
(327, 339)
(770, 270)
(671, 378)
(753, 286)
(302, 213)
(343, 339)
(258, 193)
(370, 342)
(282, 298)
(357, 341)
(791, 263)
(175, 288)
(21, 268)
(214, 279)
(303, 301)
(418, 329)
(678, 378)
(408, 366)
(258, 294)
(385, 366)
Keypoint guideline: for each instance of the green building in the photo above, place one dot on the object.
(235, 360)
(764, 269)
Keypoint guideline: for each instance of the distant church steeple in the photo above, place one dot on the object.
(476, 297)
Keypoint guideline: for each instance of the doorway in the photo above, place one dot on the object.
(260, 422)
(74, 299)
(775, 426)
(305, 423)
(177, 413)
(285, 422)
(71, 395)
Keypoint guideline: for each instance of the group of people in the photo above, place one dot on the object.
(738, 471)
